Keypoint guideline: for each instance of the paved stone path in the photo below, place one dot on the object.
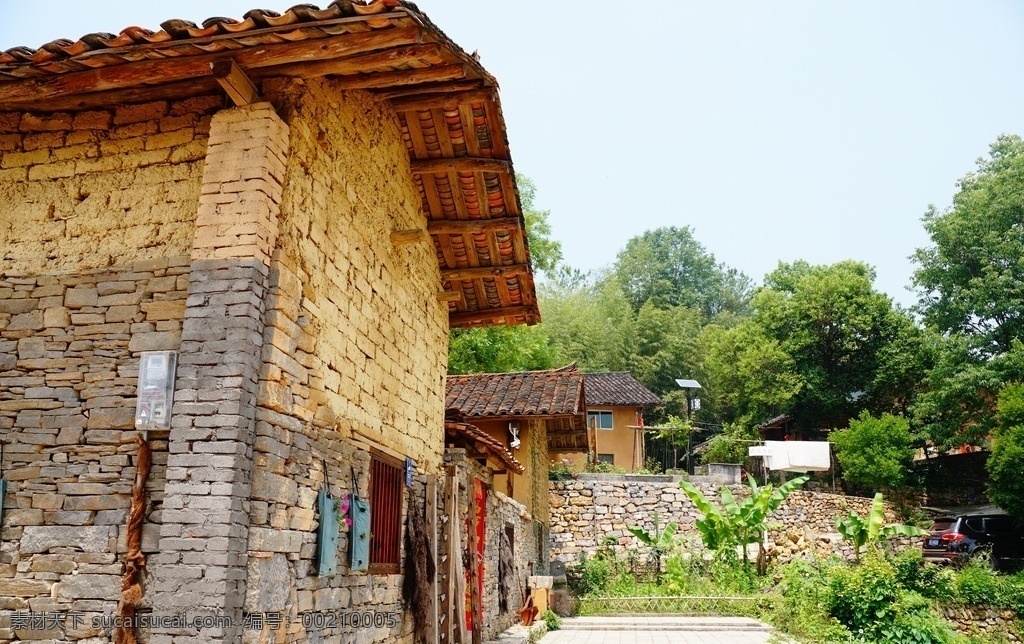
(644, 629)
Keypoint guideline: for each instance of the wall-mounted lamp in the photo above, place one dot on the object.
(513, 428)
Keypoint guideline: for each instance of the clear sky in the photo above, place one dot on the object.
(778, 130)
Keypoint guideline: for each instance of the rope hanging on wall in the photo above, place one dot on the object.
(135, 561)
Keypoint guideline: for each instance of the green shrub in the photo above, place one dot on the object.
(562, 471)
(862, 597)
(915, 623)
(553, 621)
(595, 573)
(651, 466)
(600, 467)
(873, 601)
(931, 581)
(975, 583)
(801, 611)
(680, 575)
(605, 575)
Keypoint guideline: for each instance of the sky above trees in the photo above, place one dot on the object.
(778, 131)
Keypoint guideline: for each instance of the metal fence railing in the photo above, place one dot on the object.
(677, 605)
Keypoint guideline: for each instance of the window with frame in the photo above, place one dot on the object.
(606, 458)
(600, 419)
(387, 478)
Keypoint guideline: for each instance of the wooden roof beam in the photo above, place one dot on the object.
(433, 89)
(375, 60)
(412, 236)
(460, 164)
(480, 272)
(169, 70)
(239, 88)
(403, 77)
(469, 226)
(492, 316)
(182, 89)
(413, 99)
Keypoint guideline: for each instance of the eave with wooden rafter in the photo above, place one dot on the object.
(446, 104)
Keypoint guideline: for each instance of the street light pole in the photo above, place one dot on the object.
(689, 435)
(689, 386)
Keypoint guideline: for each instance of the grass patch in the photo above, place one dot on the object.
(884, 598)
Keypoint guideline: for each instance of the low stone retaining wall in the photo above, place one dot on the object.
(975, 620)
(595, 510)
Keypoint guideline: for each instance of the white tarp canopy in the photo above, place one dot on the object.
(795, 456)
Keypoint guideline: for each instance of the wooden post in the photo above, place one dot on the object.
(474, 572)
(431, 520)
(445, 563)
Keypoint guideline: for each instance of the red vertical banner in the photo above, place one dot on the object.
(480, 492)
(475, 571)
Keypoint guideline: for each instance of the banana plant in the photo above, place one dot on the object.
(659, 542)
(873, 529)
(738, 523)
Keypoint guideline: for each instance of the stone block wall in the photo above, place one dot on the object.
(986, 624)
(69, 358)
(596, 510)
(504, 512)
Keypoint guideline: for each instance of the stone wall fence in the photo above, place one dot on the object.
(596, 510)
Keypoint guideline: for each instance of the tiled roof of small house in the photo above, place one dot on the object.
(446, 104)
(776, 422)
(557, 392)
(482, 443)
(618, 389)
(556, 395)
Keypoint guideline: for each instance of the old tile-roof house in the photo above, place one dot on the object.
(616, 403)
(533, 410)
(298, 207)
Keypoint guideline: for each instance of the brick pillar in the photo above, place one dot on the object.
(201, 566)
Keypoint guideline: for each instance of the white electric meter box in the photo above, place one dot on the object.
(156, 390)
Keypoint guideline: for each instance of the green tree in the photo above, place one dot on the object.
(851, 347)
(875, 453)
(955, 407)
(667, 267)
(971, 286)
(545, 252)
(662, 346)
(750, 377)
(499, 349)
(971, 279)
(1005, 465)
(731, 445)
(587, 319)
